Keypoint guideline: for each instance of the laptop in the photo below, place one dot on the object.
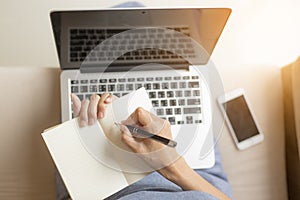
(121, 50)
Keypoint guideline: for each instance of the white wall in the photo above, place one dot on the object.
(259, 31)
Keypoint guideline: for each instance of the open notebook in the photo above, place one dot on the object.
(91, 166)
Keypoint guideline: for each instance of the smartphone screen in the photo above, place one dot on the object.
(240, 118)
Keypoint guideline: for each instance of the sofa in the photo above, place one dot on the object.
(291, 93)
(31, 103)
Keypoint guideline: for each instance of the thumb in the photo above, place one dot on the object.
(141, 117)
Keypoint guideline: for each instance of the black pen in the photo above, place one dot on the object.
(140, 132)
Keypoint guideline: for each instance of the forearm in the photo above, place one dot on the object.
(181, 174)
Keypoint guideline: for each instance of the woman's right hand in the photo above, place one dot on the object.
(156, 154)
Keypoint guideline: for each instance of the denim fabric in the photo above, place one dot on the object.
(154, 186)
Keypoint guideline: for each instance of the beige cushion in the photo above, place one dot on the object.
(291, 82)
(258, 172)
(30, 103)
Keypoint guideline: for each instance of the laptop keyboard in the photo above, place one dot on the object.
(83, 40)
(175, 98)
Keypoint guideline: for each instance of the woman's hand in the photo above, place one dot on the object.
(156, 154)
(89, 111)
(160, 157)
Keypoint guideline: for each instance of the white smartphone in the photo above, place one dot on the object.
(240, 119)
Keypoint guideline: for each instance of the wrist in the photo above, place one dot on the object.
(174, 172)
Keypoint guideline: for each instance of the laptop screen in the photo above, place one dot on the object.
(137, 36)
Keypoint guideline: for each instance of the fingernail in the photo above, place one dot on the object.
(101, 115)
(83, 123)
(91, 122)
(108, 99)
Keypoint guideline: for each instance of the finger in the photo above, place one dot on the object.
(92, 109)
(83, 117)
(108, 99)
(128, 139)
(140, 117)
(102, 104)
(76, 104)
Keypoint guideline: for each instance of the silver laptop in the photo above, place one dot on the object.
(121, 50)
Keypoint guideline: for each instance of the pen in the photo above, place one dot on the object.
(140, 132)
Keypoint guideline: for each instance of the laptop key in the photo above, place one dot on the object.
(193, 102)
(164, 103)
(88, 96)
(131, 79)
(196, 93)
(182, 85)
(93, 88)
(73, 82)
(102, 88)
(160, 111)
(80, 96)
(84, 81)
(181, 102)
(173, 102)
(138, 85)
(149, 79)
(194, 84)
(120, 87)
(161, 94)
(74, 89)
(93, 81)
(112, 80)
(156, 86)
(152, 95)
(172, 120)
(170, 94)
(83, 88)
(155, 103)
(178, 93)
(148, 86)
(177, 111)
(187, 93)
(103, 80)
(192, 110)
(164, 85)
(117, 94)
(169, 111)
(111, 88)
(121, 80)
(198, 121)
(180, 122)
(189, 119)
(129, 87)
(174, 85)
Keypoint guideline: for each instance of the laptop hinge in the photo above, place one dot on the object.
(100, 68)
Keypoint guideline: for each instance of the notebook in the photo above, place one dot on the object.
(86, 159)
